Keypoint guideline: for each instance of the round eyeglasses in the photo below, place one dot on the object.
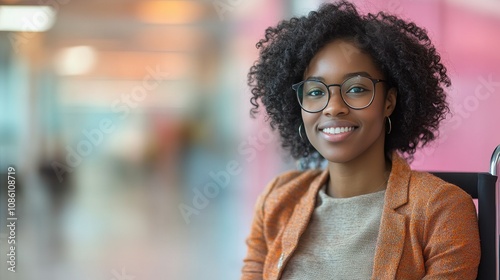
(357, 92)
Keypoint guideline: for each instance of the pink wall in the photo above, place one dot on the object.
(468, 39)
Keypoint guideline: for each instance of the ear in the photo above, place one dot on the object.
(390, 101)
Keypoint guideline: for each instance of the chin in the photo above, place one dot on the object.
(337, 156)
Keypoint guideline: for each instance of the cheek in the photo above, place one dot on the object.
(308, 120)
(307, 123)
(374, 118)
(377, 108)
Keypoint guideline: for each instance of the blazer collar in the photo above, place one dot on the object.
(303, 211)
(397, 186)
(301, 215)
(392, 230)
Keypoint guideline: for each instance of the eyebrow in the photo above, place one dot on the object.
(346, 76)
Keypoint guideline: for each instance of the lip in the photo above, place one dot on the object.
(334, 124)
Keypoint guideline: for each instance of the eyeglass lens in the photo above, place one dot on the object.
(357, 92)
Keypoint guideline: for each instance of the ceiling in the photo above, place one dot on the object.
(128, 35)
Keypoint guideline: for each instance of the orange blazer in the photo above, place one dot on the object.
(428, 228)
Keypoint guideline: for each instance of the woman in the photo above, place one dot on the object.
(362, 92)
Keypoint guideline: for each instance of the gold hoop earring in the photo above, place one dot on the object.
(300, 133)
(390, 125)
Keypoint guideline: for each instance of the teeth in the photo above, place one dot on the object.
(337, 130)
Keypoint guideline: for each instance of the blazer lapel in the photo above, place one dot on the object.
(392, 231)
(299, 220)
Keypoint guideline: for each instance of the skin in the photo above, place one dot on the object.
(356, 159)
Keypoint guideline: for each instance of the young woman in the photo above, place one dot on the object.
(363, 92)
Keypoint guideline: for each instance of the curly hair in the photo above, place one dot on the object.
(401, 49)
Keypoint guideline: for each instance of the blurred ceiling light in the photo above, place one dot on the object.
(135, 65)
(26, 18)
(170, 12)
(173, 38)
(75, 60)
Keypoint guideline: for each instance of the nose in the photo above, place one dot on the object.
(336, 106)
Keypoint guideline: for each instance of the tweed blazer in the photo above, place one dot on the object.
(428, 228)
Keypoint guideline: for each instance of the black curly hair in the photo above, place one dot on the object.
(402, 51)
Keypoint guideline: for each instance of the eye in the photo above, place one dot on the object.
(315, 92)
(356, 89)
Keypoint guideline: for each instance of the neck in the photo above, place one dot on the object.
(366, 174)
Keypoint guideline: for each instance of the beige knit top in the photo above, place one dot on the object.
(339, 242)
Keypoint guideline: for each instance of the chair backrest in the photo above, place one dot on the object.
(482, 186)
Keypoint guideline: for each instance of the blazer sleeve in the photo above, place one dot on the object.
(253, 263)
(452, 250)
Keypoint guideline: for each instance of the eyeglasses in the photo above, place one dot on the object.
(357, 92)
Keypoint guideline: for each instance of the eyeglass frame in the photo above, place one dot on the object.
(296, 86)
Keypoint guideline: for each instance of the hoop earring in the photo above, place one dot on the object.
(390, 125)
(300, 133)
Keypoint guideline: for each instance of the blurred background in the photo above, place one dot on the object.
(127, 122)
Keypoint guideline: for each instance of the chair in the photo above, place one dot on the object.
(482, 186)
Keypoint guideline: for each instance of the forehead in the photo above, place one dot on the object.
(339, 58)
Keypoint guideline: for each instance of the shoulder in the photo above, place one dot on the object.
(426, 185)
(283, 195)
(431, 198)
(419, 186)
(288, 186)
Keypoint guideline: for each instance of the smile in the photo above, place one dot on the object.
(338, 130)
